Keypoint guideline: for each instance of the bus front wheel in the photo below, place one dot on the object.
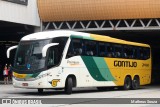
(69, 85)
(127, 83)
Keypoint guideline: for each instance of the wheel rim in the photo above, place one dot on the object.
(128, 83)
(136, 83)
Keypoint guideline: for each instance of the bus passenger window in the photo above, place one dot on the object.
(110, 51)
(78, 51)
(128, 52)
(141, 53)
(118, 51)
(125, 55)
(102, 50)
(91, 49)
(75, 48)
(144, 53)
(135, 53)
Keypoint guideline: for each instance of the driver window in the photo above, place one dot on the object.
(52, 57)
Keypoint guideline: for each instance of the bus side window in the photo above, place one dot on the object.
(110, 51)
(146, 53)
(102, 50)
(75, 48)
(128, 52)
(125, 52)
(90, 48)
(135, 53)
(118, 51)
(141, 53)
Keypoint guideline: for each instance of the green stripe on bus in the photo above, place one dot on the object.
(29, 76)
(81, 37)
(35, 75)
(98, 68)
(103, 68)
(92, 68)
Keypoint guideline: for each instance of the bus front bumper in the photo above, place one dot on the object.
(40, 83)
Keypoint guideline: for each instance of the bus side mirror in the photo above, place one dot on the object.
(45, 48)
(9, 50)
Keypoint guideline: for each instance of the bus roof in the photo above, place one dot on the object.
(66, 33)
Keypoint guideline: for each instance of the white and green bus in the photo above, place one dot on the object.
(67, 59)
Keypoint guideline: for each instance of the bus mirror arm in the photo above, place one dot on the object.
(45, 48)
(9, 49)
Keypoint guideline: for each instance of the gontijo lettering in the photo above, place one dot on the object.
(125, 63)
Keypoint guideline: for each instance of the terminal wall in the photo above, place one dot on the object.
(17, 13)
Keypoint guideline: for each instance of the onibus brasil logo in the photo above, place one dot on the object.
(21, 101)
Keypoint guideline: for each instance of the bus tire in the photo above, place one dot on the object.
(127, 83)
(40, 90)
(68, 86)
(135, 83)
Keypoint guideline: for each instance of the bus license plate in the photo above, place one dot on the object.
(24, 84)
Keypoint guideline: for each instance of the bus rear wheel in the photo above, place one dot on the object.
(135, 83)
(68, 86)
(127, 83)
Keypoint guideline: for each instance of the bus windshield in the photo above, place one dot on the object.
(29, 55)
(28, 58)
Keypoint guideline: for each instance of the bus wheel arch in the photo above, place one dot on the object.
(127, 82)
(70, 83)
(135, 82)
